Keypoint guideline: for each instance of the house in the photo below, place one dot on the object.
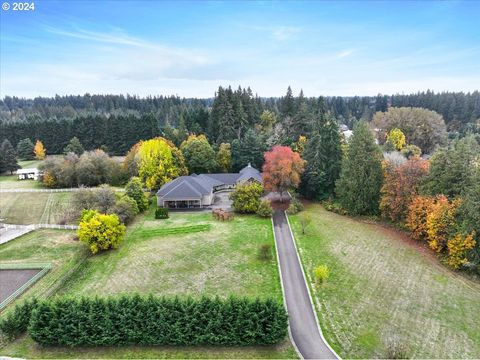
(25, 174)
(198, 191)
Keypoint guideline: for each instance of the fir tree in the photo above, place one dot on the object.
(358, 187)
(25, 149)
(74, 146)
(323, 154)
(8, 157)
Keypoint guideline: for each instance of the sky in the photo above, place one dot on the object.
(190, 48)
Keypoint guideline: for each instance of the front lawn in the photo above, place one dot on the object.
(383, 289)
(188, 254)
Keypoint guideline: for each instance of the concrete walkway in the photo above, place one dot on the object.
(304, 327)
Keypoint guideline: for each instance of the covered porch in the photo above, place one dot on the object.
(182, 204)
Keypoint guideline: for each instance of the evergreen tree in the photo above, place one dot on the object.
(8, 157)
(74, 146)
(249, 150)
(358, 187)
(452, 169)
(25, 149)
(323, 154)
(287, 104)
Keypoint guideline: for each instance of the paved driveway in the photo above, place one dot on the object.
(303, 324)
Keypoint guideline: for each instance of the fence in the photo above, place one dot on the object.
(38, 226)
(50, 190)
(44, 268)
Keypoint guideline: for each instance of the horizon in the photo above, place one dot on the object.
(189, 49)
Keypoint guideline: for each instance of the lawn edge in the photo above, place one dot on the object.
(308, 289)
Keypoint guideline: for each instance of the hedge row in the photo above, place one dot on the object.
(15, 323)
(136, 320)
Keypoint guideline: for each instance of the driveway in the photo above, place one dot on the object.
(303, 322)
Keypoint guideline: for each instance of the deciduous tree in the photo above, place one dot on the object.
(100, 231)
(199, 155)
(39, 150)
(224, 157)
(246, 197)
(282, 169)
(134, 190)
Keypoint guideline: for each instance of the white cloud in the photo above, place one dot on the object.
(283, 33)
(344, 53)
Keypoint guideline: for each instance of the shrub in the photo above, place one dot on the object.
(335, 207)
(321, 273)
(16, 322)
(161, 213)
(265, 252)
(265, 209)
(136, 320)
(295, 206)
(417, 216)
(125, 208)
(411, 150)
(135, 191)
(305, 221)
(246, 197)
(100, 231)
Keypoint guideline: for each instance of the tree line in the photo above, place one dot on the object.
(117, 122)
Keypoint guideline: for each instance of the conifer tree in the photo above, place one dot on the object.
(323, 154)
(74, 146)
(25, 149)
(8, 157)
(358, 187)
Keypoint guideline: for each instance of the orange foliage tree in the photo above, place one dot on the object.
(400, 186)
(417, 216)
(39, 150)
(441, 223)
(282, 169)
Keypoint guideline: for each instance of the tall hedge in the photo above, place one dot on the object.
(136, 320)
(15, 323)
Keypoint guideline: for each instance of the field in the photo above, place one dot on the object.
(188, 254)
(11, 182)
(383, 288)
(34, 208)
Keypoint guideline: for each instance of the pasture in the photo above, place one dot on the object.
(188, 254)
(384, 289)
(34, 207)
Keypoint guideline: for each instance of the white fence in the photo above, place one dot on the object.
(49, 190)
(38, 226)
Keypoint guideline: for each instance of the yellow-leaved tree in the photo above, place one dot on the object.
(441, 223)
(458, 247)
(39, 150)
(157, 161)
(396, 138)
(100, 231)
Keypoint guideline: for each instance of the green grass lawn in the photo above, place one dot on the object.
(29, 163)
(45, 246)
(383, 287)
(12, 182)
(34, 208)
(188, 254)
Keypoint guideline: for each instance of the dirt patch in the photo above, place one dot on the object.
(12, 279)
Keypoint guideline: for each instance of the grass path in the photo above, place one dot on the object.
(382, 289)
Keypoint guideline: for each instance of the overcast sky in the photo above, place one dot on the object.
(190, 48)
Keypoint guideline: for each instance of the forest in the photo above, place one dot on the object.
(116, 122)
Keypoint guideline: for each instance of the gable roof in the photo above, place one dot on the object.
(195, 186)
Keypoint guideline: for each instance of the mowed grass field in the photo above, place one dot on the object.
(34, 207)
(57, 247)
(383, 288)
(188, 254)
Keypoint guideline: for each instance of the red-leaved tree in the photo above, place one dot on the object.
(400, 187)
(282, 169)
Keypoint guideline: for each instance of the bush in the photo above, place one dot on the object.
(136, 320)
(246, 197)
(161, 213)
(265, 209)
(321, 273)
(295, 206)
(134, 189)
(100, 231)
(16, 322)
(125, 208)
(265, 252)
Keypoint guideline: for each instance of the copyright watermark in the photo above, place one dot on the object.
(5, 6)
